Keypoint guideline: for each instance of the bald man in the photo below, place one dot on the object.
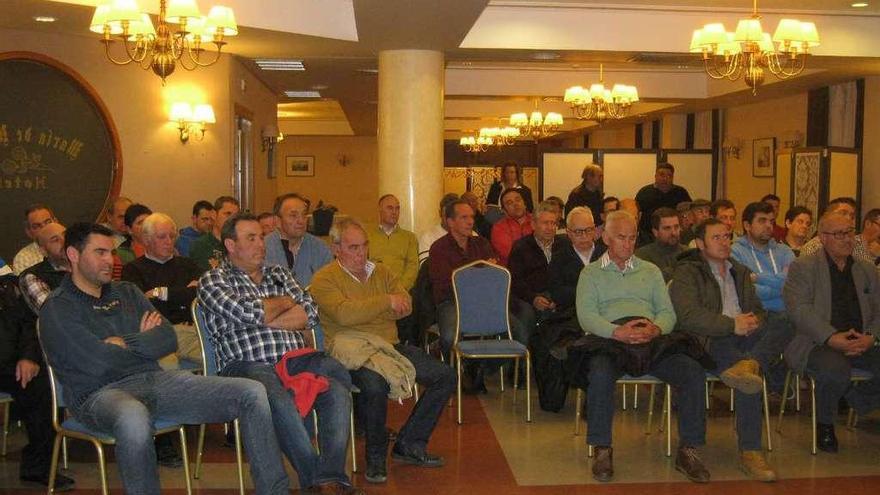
(38, 281)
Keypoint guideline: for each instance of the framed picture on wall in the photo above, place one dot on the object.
(300, 166)
(764, 157)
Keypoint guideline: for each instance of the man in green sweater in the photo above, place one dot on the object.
(357, 295)
(623, 300)
(667, 246)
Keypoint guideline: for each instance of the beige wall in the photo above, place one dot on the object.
(354, 188)
(871, 146)
(157, 169)
(777, 118)
(673, 131)
(617, 137)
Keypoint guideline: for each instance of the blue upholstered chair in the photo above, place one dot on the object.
(482, 294)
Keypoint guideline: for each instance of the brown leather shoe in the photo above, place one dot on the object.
(753, 463)
(744, 376)
(688, 462)
(603, 468)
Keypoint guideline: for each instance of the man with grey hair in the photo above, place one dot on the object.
(571, 255)
(291, 246)
(437, 230)
(623, 306)
(356, 297)
(589, 192)
(831, 298)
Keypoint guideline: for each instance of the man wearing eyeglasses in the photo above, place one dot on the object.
(832, 299)
(861, 242)
(570, 255)
(715, 300)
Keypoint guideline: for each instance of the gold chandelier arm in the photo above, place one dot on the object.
(137, 51)
(789, 68)
(196, 58)
(107, 44)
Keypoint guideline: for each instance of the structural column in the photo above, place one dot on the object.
(410, 133)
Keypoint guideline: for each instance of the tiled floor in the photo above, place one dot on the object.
(496, 452)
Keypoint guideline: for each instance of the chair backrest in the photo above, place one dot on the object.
(205, 345)
(482, 293)
(54, 384)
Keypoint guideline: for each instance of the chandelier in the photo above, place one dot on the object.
(598, 103)
(475, 144)
(749, 50)
(160, 48)
(500, 136)
(536, 125)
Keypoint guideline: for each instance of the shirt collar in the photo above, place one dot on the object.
(157, 260)
(369, 267)
(605, 261)
(386, 230)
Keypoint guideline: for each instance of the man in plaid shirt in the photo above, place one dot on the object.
(254, 315)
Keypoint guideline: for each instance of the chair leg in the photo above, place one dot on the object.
(351, 444)
(624, 397)
(528, 388)
(785, 387)
(731, 400)
(501, 376)
(53, 466)
(64, 452)
(315, 426)
(651, 408)
(668, 420)
(102, 468)
(200, 447)
(457, 359)
(797, 393)
(578, 403)
(185, 455)
(589, 451)
(707, 394)
(813, 404)
(416, 392)
(635, 396)
(515, 378)
(767, 415)
(238, 457)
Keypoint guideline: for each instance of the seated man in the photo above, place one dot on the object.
(666, 246)
(268, 222)
(699, 211)
(208, 251)
(169, 282)
(571, 255)
(36, 217)
(115, 219)
(714, 298)
(356, 295)
(41, 279)
(291, 246)
(133, 246)
(631, 206)
(528, 264)
(255, 314)
(203, 216)
(623, 300)
(428, 237)
(831, 298)
(23, 376)
(517, 223)
(103, 339)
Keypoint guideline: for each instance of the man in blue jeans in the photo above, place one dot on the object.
(255, 314)
(361, 298)
(103, 339)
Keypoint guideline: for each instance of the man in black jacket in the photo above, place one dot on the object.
(714, 298)
(23, 376)
(589, 192)
(571, 255)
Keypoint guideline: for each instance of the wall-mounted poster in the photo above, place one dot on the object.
(300, 166)
(807, 167)
(764, 157)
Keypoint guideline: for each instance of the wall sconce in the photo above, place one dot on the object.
(191, 120)
(271, 136)
(731, 147)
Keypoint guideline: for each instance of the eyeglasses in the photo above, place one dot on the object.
(582, 232)
(841, 234)
(721, 237)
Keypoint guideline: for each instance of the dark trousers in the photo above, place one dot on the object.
(372, 402)
(687, 378)
(34, 404)
(764, 345)
(831, 370)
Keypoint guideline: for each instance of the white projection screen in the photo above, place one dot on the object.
(562, 172)
(626, 173)
(693, 171)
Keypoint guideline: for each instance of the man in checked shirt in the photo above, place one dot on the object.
(254, 315)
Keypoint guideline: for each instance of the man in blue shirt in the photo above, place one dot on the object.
(203, 217)
(291, 246)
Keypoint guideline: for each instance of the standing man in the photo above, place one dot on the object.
(624, 301)
(203, 217)
(663, 192)
(666, 246)
(589, 192)
(517, 223)
(36, 217)
(207, 251)
(38, 281)
(832, 299)
(291, 246)
(714, 298)
(255, 315)
(356, 297)
(103, 339)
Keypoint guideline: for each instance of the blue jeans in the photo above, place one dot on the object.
(684, 374)
(127, 408)
(293, 431)
(439, 382)
(764, 345)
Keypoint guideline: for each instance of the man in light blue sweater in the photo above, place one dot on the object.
(767, 259)
(291, 246)
(623, 300)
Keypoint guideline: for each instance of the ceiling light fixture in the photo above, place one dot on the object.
(597, 103)
(160, 48)
(500, 136)
(749, 50)
(302, 94)
(44, 18)
(475, 144)
(279, 64)
(859, 5)
(536, 124)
